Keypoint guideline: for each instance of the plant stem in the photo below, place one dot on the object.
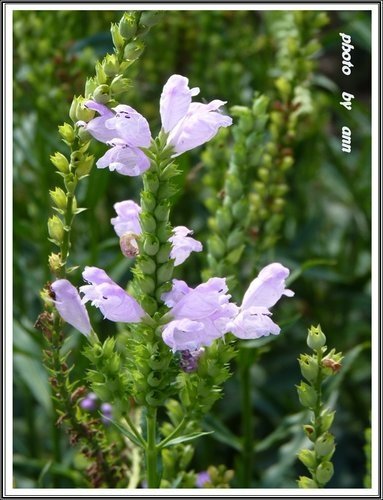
(151, 449)
(247, 417)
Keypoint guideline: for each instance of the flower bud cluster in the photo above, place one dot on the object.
(315, 368)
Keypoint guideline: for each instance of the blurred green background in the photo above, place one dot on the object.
(229, 55)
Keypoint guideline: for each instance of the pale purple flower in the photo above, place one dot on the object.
(113, 301)
(127, 220)
(183, 244)
(70, 307)
(127, 227)
(199, 315)
(126, 131)
(189, 124)
(189, 359)
(203, 477)
(106, 413)
(253, 320)
(90, 402)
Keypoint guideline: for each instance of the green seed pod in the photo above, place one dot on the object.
(308, 458)
(60, 162)
(224, 219)
(309, 367)
(216, 246)
(148, 201)
(84, 166)
(151, 17)
(149, 304)
(56, 229)
(119, 85)
(326, 420)
(147, 265)
(240, 209)
(161, 212)
(325, 445)
(324, 472)
(316, 339)
(307, 395)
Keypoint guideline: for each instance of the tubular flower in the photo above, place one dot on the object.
(68, 304)
(128, 228)
(126, 131)
(253, 320)
(189, 124)
(199, 315)
(113, 301)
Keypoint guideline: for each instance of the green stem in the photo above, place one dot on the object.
(152, 473)
(134, 430)
(247, 418)
(68, 226)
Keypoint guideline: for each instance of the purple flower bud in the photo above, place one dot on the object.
(189, 124)
(203, 477)
(114, 302)
(107, 413)
(183, 244)
(127, 220)
(90, 402)
(189, 360)
(68, 304)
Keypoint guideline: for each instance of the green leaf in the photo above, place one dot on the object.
(308, 265)
(221, 432)
(188, 437)
(124, 431)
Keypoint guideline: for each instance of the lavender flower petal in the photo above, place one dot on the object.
(125, 160)
(253, 323)
(127, 220)
(68, 304)
(183, 244)
(131, 126)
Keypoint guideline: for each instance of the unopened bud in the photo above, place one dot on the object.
(165, 272)
(59, 198)
(309, 367)
(324, 472)
(316, 338)
(127, 27)
(324, 445)
(101, 94)
(119, 85)
(308, 458)
(110, 65)
(67, 133)
(133, 50)
(307, 395)
(56, 229)
(128, 245)
(306, 482)
(326, 420)
(118, 40)
(84, 166)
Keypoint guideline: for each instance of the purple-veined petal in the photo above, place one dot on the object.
(253, 323)
(96, 127)
(68, 304)
(175, 100)
(184, 334)
(200, 124)
(113, 301)
(127, 220)
(131, 126)
(183, 244)
(125, 160)
(268, 287)
(179, 290)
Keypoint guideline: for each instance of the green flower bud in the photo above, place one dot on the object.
(84, 166)
(161, 212)
(308, 458)
(163, 253)
(216, 246)
(224, 219)
(133, 50)
(151, 182)
(316, 338)
(324, 472)
(150, 17)
(240, 209)
(306, 482)
(148, 222)
(147, 265)
(324, 445)
(310, 432)
(90, 87)
(119, 85)
(59, 198)
(326, 420)
(100, 73)
(284, 87)
(234, 187)
(148, 201)
(154, 398)
(67, 133)
(127, 27)
(56, 229)
(165, 272)
(82, 112)
(118, 40)
(154, 379)
(149, 304)
(287, 163)
(307, 395)
(163, 231)
(309, 367)
(60, 162)
(73, 110)
(147, 284)
(110, 65)
(101, 94)
(54, 261)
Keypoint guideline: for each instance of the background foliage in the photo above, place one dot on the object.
(325, 236)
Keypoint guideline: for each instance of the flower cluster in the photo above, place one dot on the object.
(127, 227)
(187, 124)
